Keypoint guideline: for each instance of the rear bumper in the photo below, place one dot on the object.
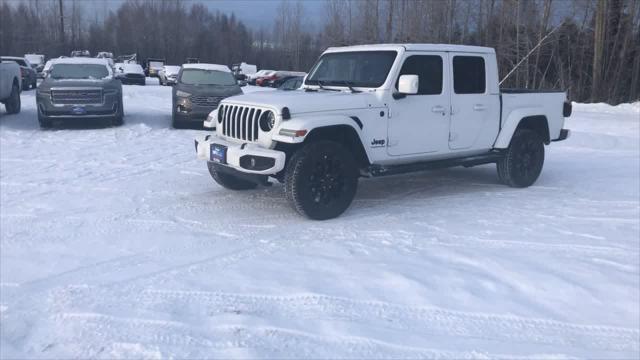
(246, 158)
(564, 134)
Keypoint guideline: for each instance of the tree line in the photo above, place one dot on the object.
(590, 48)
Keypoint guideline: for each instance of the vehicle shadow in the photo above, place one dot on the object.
(408, 190)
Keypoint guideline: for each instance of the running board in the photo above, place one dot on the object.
(382, 170)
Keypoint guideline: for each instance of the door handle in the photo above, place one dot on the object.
(438, 109)
(479, 107)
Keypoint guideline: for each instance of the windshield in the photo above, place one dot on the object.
(206, 77)
(359, 68)
(79, 71)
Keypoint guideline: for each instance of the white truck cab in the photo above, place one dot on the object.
(376, 110)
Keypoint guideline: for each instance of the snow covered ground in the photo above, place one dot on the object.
(116, 243)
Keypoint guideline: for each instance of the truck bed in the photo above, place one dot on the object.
(547, 103)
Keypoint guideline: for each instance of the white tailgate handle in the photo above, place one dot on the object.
(479, 107)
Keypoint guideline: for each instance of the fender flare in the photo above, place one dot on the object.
(512, 122)
(318, 124)
(311, 123)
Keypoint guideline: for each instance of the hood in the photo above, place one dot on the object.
(71, 83)
(209, 90)
(300, 101)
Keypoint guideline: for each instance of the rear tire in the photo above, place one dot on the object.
(13, 104)
(229, 181)
(321, 180)
(522, 164)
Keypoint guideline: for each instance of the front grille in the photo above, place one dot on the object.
(134, 76)
(76, 96)
(208, 101)
(240, 122)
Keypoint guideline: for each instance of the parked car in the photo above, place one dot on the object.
(169, 74)
(80, 88)
(291, 83)
(251, 79)
(130, 74)
(153, 66)
(242, 70)
(199, 90)
(281, 77)
(80, 53)
(10, 86)
(128, 59)
(376, 110)
(29, 75)
(262, 80)
(36, 61)
(105, 55)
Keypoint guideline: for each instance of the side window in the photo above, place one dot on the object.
(429, 70)
(469, 75)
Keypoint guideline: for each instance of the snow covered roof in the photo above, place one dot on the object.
(201, 66)
(415, 47)
(80, 60)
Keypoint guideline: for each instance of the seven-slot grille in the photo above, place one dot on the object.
(240, 122)
(76, 96)
(209, 101)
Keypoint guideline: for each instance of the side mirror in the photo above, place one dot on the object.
(408, 84)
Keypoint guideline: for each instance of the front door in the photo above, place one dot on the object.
(420, 123)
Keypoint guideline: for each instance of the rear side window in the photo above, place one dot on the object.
(469, 75)
(429, 70)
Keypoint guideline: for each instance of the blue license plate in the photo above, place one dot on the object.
(78, 110)
(218, 153)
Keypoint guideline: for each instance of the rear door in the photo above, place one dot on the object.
(474, 110)
(420, 123)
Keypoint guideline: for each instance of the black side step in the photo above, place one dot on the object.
(382, 170)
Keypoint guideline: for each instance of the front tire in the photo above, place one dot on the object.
(228, 181)
(118, 120)
(522, 164)
(13, 104)
(45, 122)
(321, 180)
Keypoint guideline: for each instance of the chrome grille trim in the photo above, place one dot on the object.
(76, 96)
(240, 122)
(201, 100)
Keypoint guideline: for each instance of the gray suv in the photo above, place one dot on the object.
(80, 88)
(199, 90)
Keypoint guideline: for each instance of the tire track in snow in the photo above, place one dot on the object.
(270, 342)
(370, 314)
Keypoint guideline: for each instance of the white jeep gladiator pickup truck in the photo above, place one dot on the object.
(377, 110)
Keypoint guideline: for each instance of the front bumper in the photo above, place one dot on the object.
(246, 157)
(107, 109)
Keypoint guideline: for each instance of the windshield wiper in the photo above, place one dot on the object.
(320, 82)
(349, 84)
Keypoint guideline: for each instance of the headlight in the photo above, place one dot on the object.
(267, 121)
(181, 93)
